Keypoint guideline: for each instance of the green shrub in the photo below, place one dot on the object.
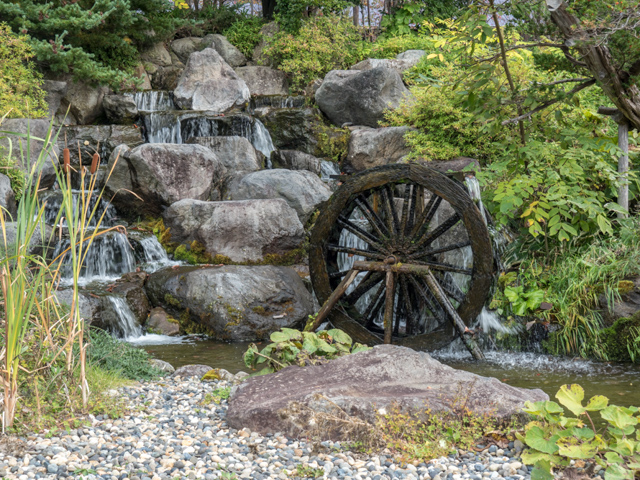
(244, 34)
(8, 167)
(555, 440)
(289, 13)
(322, 44)
(211, 19)
(96, 41)
(20, 92)
(292, 347)
(120, 357)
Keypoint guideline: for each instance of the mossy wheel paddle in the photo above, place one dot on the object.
(407, 217)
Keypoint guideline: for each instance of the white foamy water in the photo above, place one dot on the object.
(155, 339)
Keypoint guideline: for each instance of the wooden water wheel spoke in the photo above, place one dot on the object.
(370, 280)
(391, 208)
(444, 267)
(372, 216)
(435, 251)
(437, 233)
(388, 217)
(362, 234)
(356, 251)
(426, 216)
(406, 200)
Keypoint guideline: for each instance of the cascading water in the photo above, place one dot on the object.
(233, 125)
(154, 255)
(153, 101)
(161, 124)
(328, 168)
(109, 257)
(276, 101)
(127, 326)
(54, 201)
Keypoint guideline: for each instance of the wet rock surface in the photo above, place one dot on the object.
(233, 302)
(363, 383)
(120, 108)
(241, 230)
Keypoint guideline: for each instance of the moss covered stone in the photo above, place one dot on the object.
(616, 339)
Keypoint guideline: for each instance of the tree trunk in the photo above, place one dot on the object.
(356, 15)
(599, 61)
(267, 8)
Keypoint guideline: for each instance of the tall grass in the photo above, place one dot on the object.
(35, 327)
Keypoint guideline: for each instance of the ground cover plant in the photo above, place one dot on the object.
(554, 440)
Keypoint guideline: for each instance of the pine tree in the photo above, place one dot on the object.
(95, 40)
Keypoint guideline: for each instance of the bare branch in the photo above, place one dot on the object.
(571, 58)
(568, 80)
(546, 104)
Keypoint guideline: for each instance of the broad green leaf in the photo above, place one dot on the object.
(571, 396)
(618, 472)
(358, 347)
(619, 417)
(583, 451)
(325, 347)
(597, 403)
(613, 457)
(278, 337)
(340, 337)
(531, 457)
(292, 334)
(310, 344)
(542, 471)
(535, 439)
(584, 433)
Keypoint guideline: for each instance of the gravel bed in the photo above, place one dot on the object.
(173, 435)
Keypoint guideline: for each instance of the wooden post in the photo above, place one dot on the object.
(390, 297)
(623, 161)
(623, 168)
(333, 299)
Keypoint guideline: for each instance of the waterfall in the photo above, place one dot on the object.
(109, 257)
(328, 168)
(473, 186)
(53, 205)
(162, 127)
(154, 255)
(128, 326)
(276, 101)
(153, 100)
(261, 140)
(233, 125)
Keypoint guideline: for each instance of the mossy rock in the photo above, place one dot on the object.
(212, 375)
(615, 339)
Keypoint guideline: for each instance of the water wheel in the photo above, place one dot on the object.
(421, 249)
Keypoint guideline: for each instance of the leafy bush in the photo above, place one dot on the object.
(554, 440)
(292, 347)
(97, 42)
(407, 18)
(210, 19)
(120, 357)
(322, 44)
(244, 34)
(9, 167)
(20, 92)
(289, 13)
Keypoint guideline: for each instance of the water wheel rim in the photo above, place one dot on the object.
(433, 181)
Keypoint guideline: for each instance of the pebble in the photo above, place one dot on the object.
(172, 434)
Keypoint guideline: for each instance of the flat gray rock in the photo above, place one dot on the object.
(372, 147)
(363, 384)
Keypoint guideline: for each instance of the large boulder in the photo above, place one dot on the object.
(231, 54)
(243, 231)
(131, 287)
(236, 153)
(292, 128)
(234, 303)
(360, 97)
(155, 175)
(162, 323)
(183, 47)
(362, 385)
(266, 32)
(209, 83)
(264, 80)
(157, 55)
(295, 160)
(402, 62)
(37, 129)
(302, 190)
(90, 306)
(166, 78)
(372, 147)
(84, 102)
(55, 92)
(7, 197)
(120, 108)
